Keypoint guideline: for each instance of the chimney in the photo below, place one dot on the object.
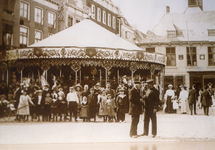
(167, 9)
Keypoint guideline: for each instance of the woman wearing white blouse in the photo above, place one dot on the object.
(169, 95)
(183, 98)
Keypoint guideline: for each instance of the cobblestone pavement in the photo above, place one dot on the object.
(171, 127)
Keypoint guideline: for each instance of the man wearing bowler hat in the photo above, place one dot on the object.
(135, 108)
(151, 107)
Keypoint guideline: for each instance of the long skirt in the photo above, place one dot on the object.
(184, 105)
(92, 111)
(84, 112)
(169, 107)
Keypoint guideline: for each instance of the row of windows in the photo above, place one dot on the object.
(38, 14)
(102, 16)
(191, 56)
(24, 36)
(172, 34)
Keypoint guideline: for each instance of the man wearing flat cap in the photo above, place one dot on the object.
(151, 99)
(135, 108)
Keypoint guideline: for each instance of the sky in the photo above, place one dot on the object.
(145, 14)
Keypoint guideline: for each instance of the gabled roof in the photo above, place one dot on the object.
(86, 34)
(193, 23)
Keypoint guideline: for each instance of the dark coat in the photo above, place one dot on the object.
(122, 103)
(192, 96)
(151, 102)
(42, 103)
(206, 99)
(135, 107)
(157, 99)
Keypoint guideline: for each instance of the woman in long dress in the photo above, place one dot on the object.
(169, 96)
(183, 98)
(23, 106)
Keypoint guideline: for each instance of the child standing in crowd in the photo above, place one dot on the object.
(23, 107)
(102, 105)
(47, 107)
(62, 104)
(78, 89)
(110, 108)
(72, 100)
(84, 109)
(32, 111)
(122, 105)
(54, 107)
(92, 101)
(175, 104)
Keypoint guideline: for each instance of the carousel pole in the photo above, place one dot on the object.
(21, 76)
(75, 77)
(32, 76)
(132, 75)
(46, 74)
(118, 76)
(105, 76)
(7, 76)
(80, 76)
(2, 76)
(100, 75)
(60, 73)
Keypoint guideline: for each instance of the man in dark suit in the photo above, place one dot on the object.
(135, 108)
(193, 96)
(151, 100)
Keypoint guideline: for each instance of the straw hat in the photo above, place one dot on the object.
(170, 85)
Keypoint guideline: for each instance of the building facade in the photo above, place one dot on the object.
(188, 41)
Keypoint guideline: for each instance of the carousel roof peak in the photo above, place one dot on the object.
(86, 34)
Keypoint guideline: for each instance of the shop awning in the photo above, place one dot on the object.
(86, 34)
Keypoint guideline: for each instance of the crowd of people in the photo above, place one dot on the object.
(42, 102)
(189, 101)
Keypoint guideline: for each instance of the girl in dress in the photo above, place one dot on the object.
(84, 109)
(110, 108)
(23, 107)
(102, 105)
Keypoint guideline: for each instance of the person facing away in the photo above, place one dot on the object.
(192, 98)
(206, 100)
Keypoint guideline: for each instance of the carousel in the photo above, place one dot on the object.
(85, 53)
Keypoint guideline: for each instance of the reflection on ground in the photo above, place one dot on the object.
(117, 146)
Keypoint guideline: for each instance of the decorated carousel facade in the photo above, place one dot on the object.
(85, 53)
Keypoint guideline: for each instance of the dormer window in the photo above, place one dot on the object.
(171, 33)
(192, 2)
(211, 32)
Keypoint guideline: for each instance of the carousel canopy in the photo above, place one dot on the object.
(86, 34)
